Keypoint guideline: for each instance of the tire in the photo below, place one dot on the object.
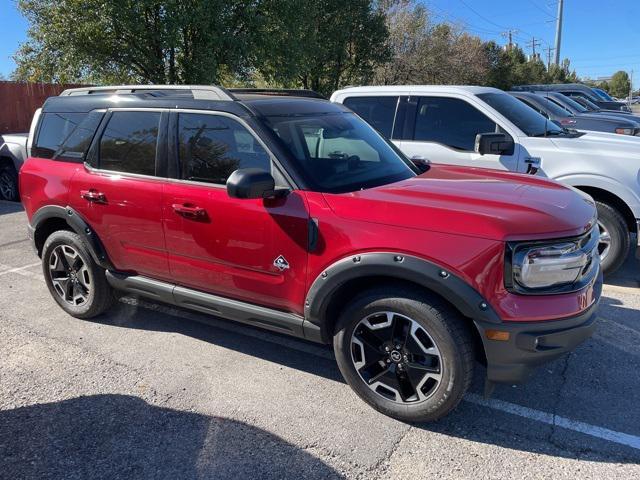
(613, 227)
(75, 281)
(9, 183)
(427, 386)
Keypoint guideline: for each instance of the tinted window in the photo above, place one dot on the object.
(451, 122)
(54, 129)
(339, 152)
(128, 144)
(77, 143)
(379, 112)
(212, 147)
(529, 121)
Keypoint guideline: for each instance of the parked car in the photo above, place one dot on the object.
(448, 124)
(585, 122)
(575, 90)
(593, 108)
(294, 215)
(12, 154)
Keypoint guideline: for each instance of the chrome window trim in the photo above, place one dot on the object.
(272, 157)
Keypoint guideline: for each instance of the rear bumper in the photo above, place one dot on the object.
(531, 344)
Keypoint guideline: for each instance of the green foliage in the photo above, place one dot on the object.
(620, 84)
(321, 44)
(318, 44)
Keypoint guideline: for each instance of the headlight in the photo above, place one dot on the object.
(547, 267)
(626, 131)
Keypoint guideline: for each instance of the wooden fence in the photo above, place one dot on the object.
(18, 102)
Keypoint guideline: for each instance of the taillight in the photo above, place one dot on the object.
(567, 122)
(625, 131)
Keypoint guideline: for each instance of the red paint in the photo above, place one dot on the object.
(197, 236)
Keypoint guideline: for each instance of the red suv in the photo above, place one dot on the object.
(292, 214)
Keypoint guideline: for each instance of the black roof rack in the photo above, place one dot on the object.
(277, 92)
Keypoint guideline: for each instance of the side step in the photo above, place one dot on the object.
(226, 308)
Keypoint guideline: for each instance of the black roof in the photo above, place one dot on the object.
(244, 104)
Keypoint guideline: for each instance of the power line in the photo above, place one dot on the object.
(533, 44)
(541, 9)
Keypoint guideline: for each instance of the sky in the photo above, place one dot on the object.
(599, 36)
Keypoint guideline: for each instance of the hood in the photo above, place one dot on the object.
(474, 202)
(617, 119)
(602, 143)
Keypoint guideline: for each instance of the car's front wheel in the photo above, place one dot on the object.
(614, 238)
(76, 282)
(407, 353)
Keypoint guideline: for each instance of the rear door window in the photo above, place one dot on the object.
(212, 147)
(379, 112)
(451, 122)
(129, 143)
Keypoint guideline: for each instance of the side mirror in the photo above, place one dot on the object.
(494, 144)
(251, 183)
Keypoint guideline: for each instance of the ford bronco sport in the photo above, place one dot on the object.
(294, 215)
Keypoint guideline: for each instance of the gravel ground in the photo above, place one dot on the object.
(149, 391)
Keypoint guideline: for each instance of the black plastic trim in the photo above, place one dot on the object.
(223, 307)
(403, 267)
(531, 344)
(78, 225)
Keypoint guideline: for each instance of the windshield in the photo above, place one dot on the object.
(602, 94)
(555, 109)
(339, 152)
(525, 118)
(570, 102)
(588, 104)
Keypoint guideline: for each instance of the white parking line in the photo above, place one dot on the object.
(17, 269)
(551, 419)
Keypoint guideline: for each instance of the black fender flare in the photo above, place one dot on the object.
(79, 225)
(397, 265)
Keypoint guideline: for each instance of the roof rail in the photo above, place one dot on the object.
(199, 92)
(278, 92)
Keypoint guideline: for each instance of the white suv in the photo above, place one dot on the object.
(485, 127)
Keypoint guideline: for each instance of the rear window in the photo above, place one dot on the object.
(379, 112)
(55, 128)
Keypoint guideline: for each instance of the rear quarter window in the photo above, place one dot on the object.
(55, 129)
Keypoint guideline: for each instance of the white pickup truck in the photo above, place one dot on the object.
(13, 152)
(485, 127)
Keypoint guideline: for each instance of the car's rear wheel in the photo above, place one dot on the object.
(614, 238)
(407, 353)
(74, 280)
(8, 183)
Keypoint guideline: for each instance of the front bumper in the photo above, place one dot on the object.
(531, 344)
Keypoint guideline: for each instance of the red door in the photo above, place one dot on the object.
(250, 250)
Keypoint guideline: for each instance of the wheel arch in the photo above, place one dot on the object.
(349, 276)
(51, 218)
(615, 201)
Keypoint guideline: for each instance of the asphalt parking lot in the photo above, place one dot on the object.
(147, 392)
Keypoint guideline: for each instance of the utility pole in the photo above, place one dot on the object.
(533, 44)
(549, 49)
(509, 35)
(559, 31)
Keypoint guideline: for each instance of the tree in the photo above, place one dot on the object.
(127, 41)
(321, 44)
(620, 84)
(426, 52)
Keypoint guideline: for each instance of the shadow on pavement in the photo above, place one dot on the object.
(121, 436)
(587, 392)
(10, 207)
